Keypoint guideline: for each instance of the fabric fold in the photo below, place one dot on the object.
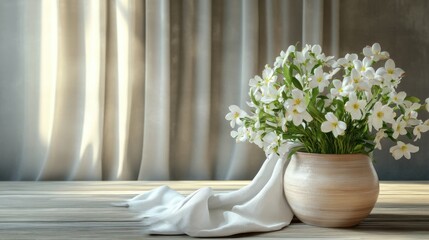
(258, 207)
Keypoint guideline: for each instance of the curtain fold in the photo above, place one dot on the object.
(128, 89)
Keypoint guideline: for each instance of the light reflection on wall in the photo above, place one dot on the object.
(122, 25)
(91, 138)
(48, 74)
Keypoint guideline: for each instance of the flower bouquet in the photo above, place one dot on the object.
(317, 104)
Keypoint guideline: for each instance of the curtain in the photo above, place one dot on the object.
(129, 89)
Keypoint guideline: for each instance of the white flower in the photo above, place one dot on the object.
(301, 57)
(319, 79)
(354, 106)
(380, 113)
(297, 101)
(371, 77)
(410, 115)
(297, 116)
(317, 50)
(281, 60)
(257, 95)
(256, 138)
(235, 115)
(270, 141)
(402, 149)
(269, 94)
(357, 81)
(337, 90)
(390, 72)
(268, 76)
(380, 135)
(399, 128)
(347, 61)
(397, 98)
(375, 52)
(427, 104)
(255, 83)
(422, 128)
(268, 108)
(341, 88)
(362, 66)
(241, 135)
(333, 125)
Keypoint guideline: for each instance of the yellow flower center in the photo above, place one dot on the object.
(319, 79)
(390, 71)
(404, 148)
(355, 106)
(236, 115)
(297, 101)
(380, 114)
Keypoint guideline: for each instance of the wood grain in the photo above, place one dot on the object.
(82, 210)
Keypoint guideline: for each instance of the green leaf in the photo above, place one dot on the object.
(296, 83)
(320, 104)
(287, 75)
(409, 135)
(412, 99)
(292, 68)
(323, 97)
(357, 148)
(286, 71)
(252, 97)
(315, 91)
(293, 151)
(314, 68)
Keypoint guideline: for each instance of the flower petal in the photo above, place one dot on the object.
(342, 125)
(412, 148)
(331, 117)
(376, 48)
(377, 123)
(367, 51)
(234, 108)
(316, 49)
(389, 65)
(407, 155)
(326, 127)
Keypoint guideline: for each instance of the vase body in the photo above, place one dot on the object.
(331, 190)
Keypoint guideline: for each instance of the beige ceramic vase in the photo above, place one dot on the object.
(331, 190)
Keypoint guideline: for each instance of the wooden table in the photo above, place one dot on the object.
(82, 210)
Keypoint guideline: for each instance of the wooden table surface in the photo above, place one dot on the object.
(82, 210)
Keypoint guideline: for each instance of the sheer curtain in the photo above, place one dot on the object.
(129, 89)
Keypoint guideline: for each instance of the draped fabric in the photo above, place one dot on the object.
(129, 89)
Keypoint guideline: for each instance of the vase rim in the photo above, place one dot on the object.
(333, 157)
(332, 154)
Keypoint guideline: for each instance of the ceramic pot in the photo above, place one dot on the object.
(331, 190)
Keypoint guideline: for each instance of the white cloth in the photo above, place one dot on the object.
(258, 207)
